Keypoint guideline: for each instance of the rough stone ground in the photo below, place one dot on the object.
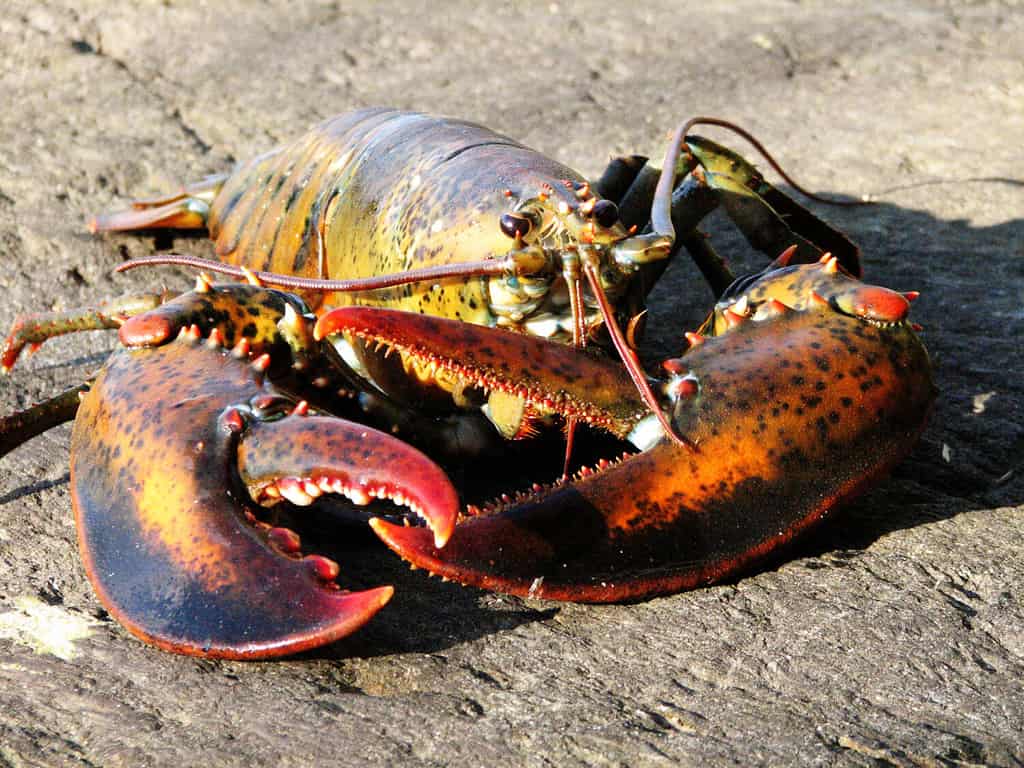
(895, 636)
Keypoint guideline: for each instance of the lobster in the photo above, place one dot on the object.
(448, 218)
(803, 387)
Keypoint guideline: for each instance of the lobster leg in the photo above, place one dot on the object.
(714, 176)
(619, 176)
(770, 220)
(22, 426)
(33, 330)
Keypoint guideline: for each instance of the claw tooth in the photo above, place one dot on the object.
(831, 264)
(695, 339)
(292, 321)
(742, 306)
(293, 491)
(911, 295)
(358, 496)
(769, 309)
(732, 319)
(215, 339)
(261, 363)
(272, 491)
(311, 489)
(203, 283)
(301, 408)
(784, 258)
(322, 567)
(285, 539)
(241, 349)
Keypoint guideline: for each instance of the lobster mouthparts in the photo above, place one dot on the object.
(789, 412)
(165, 500)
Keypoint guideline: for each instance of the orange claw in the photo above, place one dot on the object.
(787, 424)
(171, 453)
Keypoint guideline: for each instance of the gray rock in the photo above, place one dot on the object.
(894, 635)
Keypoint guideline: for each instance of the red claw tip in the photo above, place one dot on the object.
(146, 330)
(881, 304)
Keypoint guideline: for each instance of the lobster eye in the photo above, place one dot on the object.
(515, 224)
(606, 212)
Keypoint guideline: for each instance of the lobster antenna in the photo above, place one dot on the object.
(744, 133)
(629, 358)
(579, 340)
(486, 267)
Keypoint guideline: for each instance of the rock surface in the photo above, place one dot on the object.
(894, 636)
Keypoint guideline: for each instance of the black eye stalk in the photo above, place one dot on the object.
(516, 225)
(606, 213)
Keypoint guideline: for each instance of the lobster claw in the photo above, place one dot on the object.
(164, 500)
(788, 413)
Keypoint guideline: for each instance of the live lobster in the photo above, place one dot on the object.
(803, 387)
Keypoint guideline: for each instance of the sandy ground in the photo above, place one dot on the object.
(895, 636)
